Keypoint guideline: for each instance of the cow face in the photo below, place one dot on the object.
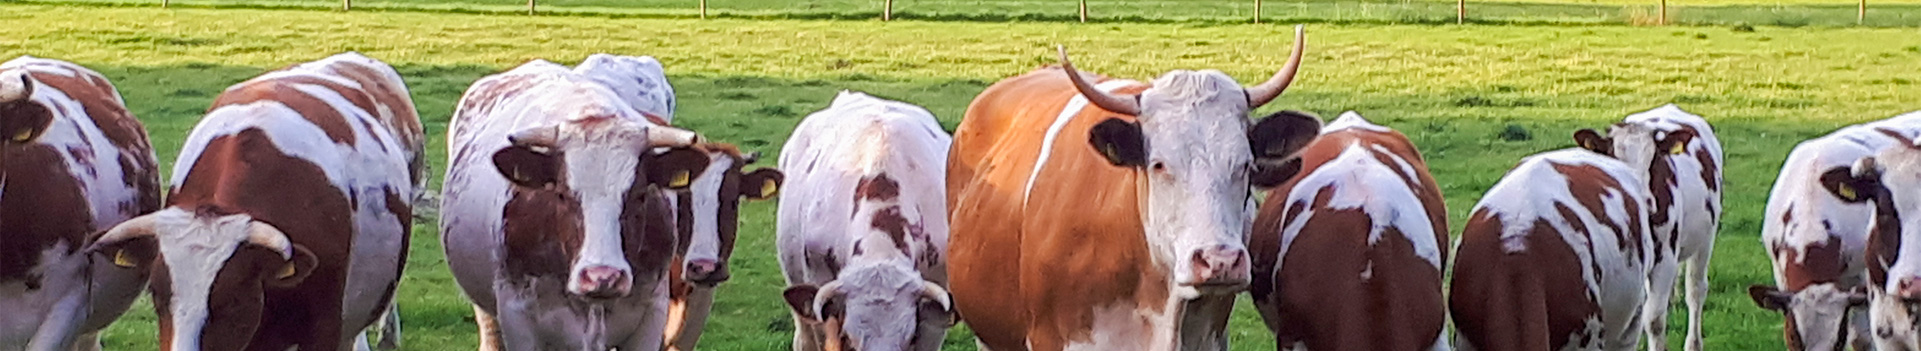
(710, 211)
(878, 307)
(1641, 146)
(1817, 316)
(1197, 155)
(581, 187)
(213, 272)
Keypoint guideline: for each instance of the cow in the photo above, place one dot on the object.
(286, 225)
(1685, 181)
(1092, 213)
(1882, 180)
(1555, 257)
(73, 162)
(554, 215)
(862, 229)
(707, 219)
(1819, 238)
(1349, 253)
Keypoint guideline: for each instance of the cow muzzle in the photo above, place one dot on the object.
(1219, 268)
(704, 272)
(601, 282)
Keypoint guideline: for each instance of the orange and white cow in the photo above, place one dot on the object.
(74, 162)
(1104, 214)
(1349, 254)
(1818, 237)
(1685, 180)
(1555, 257)
(1884, 180)
(287, 223)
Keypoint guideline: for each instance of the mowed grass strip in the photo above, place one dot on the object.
(1474, 98)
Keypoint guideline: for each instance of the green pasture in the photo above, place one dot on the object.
(1475, 98)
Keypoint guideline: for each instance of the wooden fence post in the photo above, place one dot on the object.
(346, 5)
(887, 11)
(163, 3)
(1083, 11)
(1460, 12)
(1664, 12)
(703, 9)
(1861, 18)
(1257, 11)
(530, 7)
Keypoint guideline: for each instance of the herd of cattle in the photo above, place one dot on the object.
(1068, 211)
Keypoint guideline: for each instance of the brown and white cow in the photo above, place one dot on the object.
(287, 222)
(707, 218)
(1817, 233)
(1555, 257)
(863, 226)
(1349, 254)
(1884, 180)
(1094, 214)
(1685, 180)
(73, 162)
(553, 215)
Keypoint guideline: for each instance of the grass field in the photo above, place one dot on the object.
(1475, 98)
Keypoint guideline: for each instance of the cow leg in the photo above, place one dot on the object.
(804, 332)
(389, 327)
(1660, 293)
(489, 329)
(57, 331)
(1859, 328)
(360, 342)
(1697, 290)
(1440, 343)
(693, 319)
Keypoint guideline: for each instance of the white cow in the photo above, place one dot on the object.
(863, 227)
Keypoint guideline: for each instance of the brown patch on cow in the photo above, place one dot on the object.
(544, 230)
(1532, 299)
(1588, 184)
(246, 173)
(284, 91)
(1710, 174)
(1581, 228)
(1328, 304)
(889, 220)
(103, 105)
(43, 207)
(1823, 262)
(1903, 139)
(1884, 235)
(878, 187)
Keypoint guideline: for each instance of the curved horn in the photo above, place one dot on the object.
(132, 228)
(15, 85)
(1260, 95)
(1131, 107)
(826, 293)
(670, 136)
(542, 136)
(271, 238)
(937, 293)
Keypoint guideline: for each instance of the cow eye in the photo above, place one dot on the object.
(1159, 166)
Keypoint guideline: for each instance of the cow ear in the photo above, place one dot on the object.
(800, 299)
(1675, 142)
(25, 120)
(1120, 142)
(1594, 141)
(1849, 187)
(528, 166)
(293, 271)
(130, 253)
(761, 184)
(1266, 176)
(676, 168)
(1768, 297)
(1275, 140)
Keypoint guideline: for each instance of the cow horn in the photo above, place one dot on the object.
(136, 227)
(670, 136)
(750, 158)
(1125, 106)
(542, 136)
(828, 292)
(271, 238)
(1260, 95)
(15, 85)
(934, 291)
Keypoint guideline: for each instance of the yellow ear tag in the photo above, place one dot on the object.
(680, 179)
(120, 259)
(286, 271)
(1678, 149)
(1846, 192)
(768, 188)
(23, 136)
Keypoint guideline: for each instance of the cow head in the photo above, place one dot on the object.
(212, 272)
(1817, 316)
(593, 177)
(879, 302)
(1640, 145)
(1894, 268)
(1196, 155)
(22, 120)
(710, 211)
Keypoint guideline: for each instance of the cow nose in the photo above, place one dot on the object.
(704, 271)
(1908, 287)
(1220, 266)
(602, 282)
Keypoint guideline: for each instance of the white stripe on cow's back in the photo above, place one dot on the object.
(1351, 119)
(1074, 106)
(73, 129)
(1360, 181)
